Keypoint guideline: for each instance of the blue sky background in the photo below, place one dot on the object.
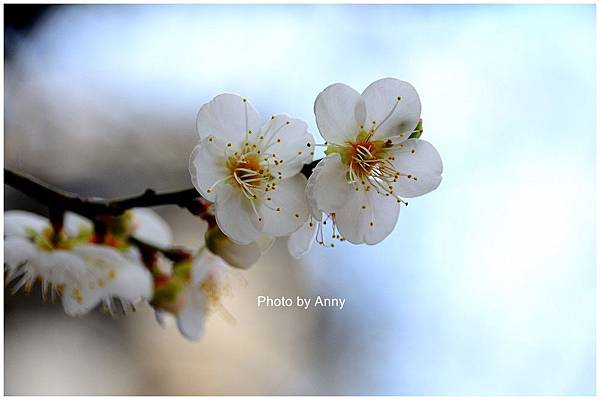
(487, 285)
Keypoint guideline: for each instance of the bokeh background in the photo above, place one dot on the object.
(487, 285)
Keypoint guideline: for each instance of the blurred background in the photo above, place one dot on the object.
(487, 285)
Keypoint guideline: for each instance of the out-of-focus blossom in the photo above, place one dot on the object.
(72, 262)
(189, 292)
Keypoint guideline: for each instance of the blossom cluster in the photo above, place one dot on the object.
(374, 158)
(131, 262)
(252, 175)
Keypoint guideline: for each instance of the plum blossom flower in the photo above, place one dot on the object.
(113, 280)
(371, 160)
(251, 171)
(189, 292)
(84, 273)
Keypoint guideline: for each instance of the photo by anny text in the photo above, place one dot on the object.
(300, 302)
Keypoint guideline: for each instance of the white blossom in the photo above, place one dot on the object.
(85, 274)
(251, 171)
(371, 163)
(191, 292)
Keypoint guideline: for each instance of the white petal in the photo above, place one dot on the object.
(208, 167)
(133, 283)
(234, 215)
(287, 139)
(190, 320)
(75, 223)
(424, 164)
(17, 222)
(300, 242)
(203, 264)
(328, 190)
(284, 209)
(392, 116)
(60, 267)
(161, 317)
(17, 251)
(79, 298)
(370, 224)
(151, 228)
(80, 290)
(123, 278)
(309, 191)
(228, 117)
(340, 112)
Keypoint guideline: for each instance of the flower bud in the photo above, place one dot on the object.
(241, 256)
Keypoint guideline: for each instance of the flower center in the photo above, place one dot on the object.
(368, 159)
(364, 156)
(248, 174)
(370, 164)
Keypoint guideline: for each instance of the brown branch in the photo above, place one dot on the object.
(92, 207)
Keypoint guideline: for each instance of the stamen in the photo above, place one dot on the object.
(389, 114)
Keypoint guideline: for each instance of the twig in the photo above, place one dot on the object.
(93, 207)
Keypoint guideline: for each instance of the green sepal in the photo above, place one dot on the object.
(418, 131)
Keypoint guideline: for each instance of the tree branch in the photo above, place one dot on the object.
(92, 207)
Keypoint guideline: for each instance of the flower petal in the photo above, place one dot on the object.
(393, 106)
(17, 222)
(300, 242)
(208, 166)
(78, 298)
(287, 141)
(235, 216)
(151, 228)
(60, 267)
(17, 251)
(133, 283)
(228, 117)
(368, 217)
(204, 264)
(122, 278)
(190, 320)
(328, 189)
(161, 317)
(340, 112)
(423, 163)
(284, 209)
